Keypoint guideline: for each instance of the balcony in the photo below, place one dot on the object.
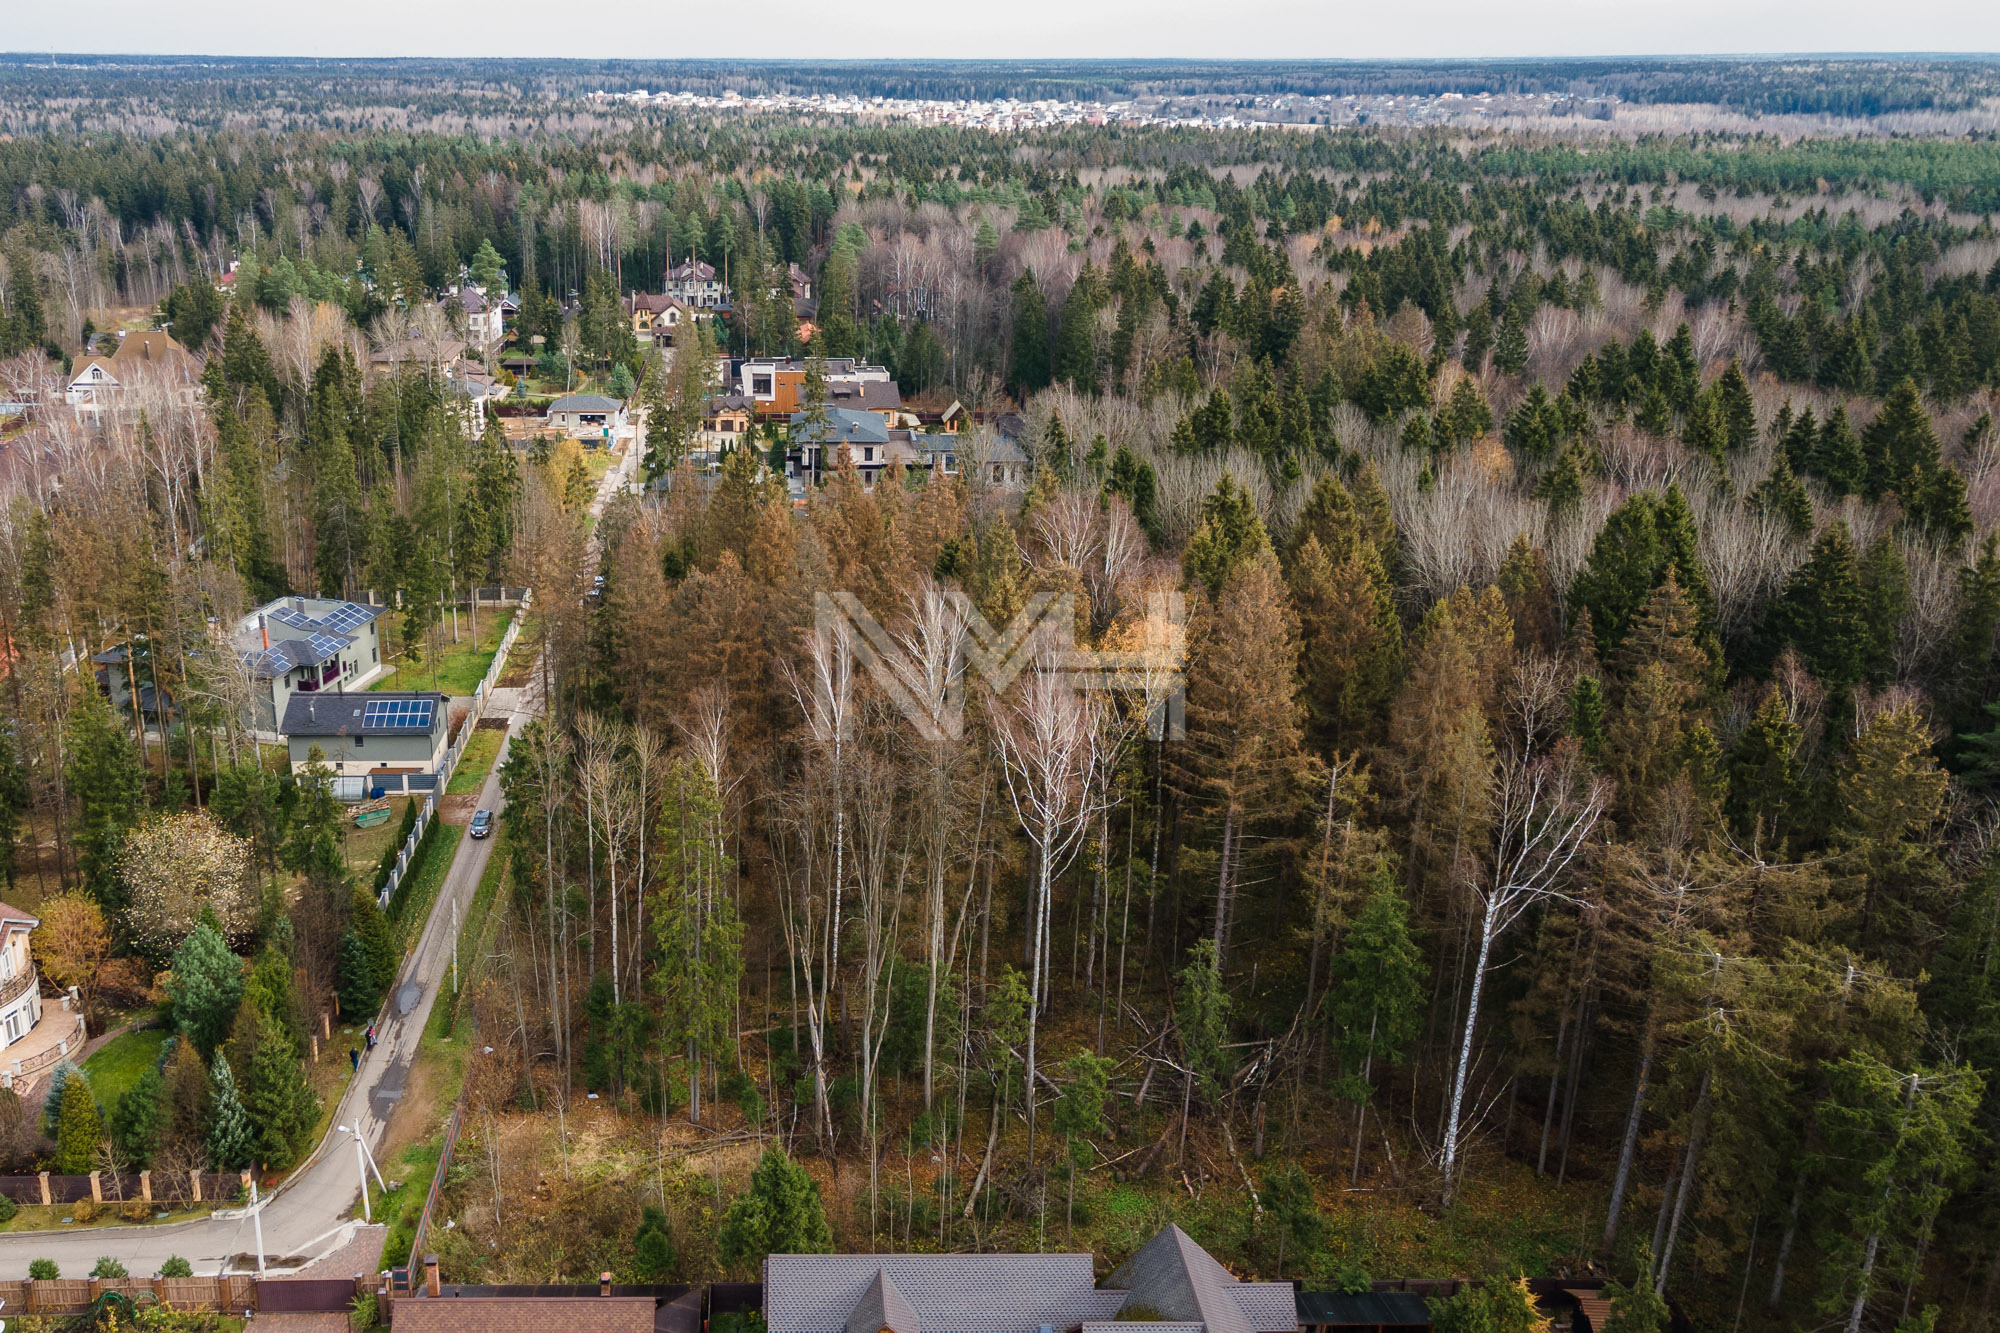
(15, 987)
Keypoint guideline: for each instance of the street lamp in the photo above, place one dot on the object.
(364, 1161)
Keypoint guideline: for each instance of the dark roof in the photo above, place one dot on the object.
(1372, 1307)
(585, 402)
(383, 713)
(868, 395)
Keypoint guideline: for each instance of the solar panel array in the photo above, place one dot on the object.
(346, 618)
(399, 713)
(325, 646)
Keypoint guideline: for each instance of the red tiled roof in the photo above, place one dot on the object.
(8, 913)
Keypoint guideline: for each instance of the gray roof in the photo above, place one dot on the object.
(340, 618)
(882, 1306)
(383, 713)
(950, 1293)
(585, 402)
(1175, 1277)
(843, 426)
(1372, 1307)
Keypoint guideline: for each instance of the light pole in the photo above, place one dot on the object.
(364, 1161)
(257, 1221)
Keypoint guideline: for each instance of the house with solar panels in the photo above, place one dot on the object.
(307, 645)
(1171, 1285)
(393, 740)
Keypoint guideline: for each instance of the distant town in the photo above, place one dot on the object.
(1208, 112)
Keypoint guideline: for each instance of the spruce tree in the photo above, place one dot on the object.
(205, 985)
(780, 1213)
(280, 1102)
(1739, 410)
(1823, 612)
(652, 1247)
(1781, 496)
(1031, 336)
(1375, 993)
(230, 1136)
(1901, 449)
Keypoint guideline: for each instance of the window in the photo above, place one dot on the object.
(373, 655)
(760, 385)
(868, 453)
(360, 741)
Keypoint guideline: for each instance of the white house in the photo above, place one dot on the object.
(694, 283)
(587, 416)
(20, 991)
(307, 645)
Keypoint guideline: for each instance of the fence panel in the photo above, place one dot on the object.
(193, 1293)
(301, 1295)
(437, 1180)
(67, 1293)
(22, 1189)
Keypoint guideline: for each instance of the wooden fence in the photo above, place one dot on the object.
(238, 1291)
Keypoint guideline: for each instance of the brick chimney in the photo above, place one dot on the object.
(431, 1275)
(604, 1284)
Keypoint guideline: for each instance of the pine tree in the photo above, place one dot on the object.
(230, 1137)
(78, 1127)
(105, 777)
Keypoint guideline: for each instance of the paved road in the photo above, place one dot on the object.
(310, 1215)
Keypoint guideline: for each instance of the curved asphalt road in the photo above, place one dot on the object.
(312, 1212)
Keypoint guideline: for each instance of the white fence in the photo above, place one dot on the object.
(455, 751)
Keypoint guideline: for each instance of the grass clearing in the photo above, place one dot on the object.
(480, 751)
(364, 847)
(445, 1014)
(456, 668)
(118, 1064)
(420, 887)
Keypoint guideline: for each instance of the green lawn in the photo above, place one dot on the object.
(119, 1062)
(420, 890)
(363, 847)
(458, 667)
(480, 752)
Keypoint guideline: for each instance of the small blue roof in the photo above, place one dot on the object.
(844, 425)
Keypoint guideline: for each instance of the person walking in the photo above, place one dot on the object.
(354, 1059)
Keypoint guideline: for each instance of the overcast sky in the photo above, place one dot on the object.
(1018, 28)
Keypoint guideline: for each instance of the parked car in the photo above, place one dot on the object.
(482, 824)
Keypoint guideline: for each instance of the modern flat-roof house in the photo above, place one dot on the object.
(389, 737)
(20, 991)
(305, 645)
(1172, 1282)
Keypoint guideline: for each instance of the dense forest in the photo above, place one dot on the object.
(1583, 805)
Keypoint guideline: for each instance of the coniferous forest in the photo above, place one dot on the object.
(1580, 851)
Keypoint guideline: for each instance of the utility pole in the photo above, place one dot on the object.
(257, 1220)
